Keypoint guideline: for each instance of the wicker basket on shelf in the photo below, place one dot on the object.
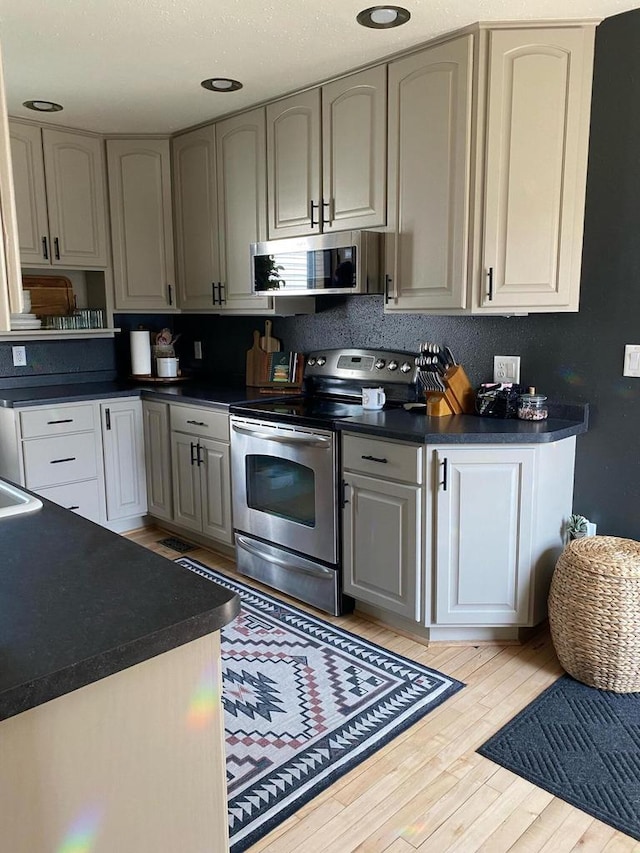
(594, 612)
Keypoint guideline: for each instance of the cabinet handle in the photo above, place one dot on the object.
(73, 507)
(326, 221)
(213, 293)
(198, 423)
(221, 288)
(343, 496)
(107, 417)
(56, 245)
(45, 249)
(444, 474)
(193, 450)
(57, 461)
(198, 449)
(170, 293)
(490, 277)
(61, 421)
(387, 286)
(376, 459)
(311, 208)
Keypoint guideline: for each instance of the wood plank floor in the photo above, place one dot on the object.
(428, 790)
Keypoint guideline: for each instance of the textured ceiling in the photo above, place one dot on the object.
(135, 66)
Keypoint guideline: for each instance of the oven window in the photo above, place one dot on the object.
(282, 488)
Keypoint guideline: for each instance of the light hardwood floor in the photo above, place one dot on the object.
(428, 790)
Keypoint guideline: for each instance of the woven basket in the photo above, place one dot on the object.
(594, 612)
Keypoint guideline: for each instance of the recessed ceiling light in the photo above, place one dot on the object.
(42, 106)
(383, 17)
(221, 84)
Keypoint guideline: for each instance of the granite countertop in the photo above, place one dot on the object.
(79, 603)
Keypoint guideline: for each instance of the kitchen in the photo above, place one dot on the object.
(576, 357)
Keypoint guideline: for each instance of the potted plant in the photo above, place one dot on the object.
(576, 527)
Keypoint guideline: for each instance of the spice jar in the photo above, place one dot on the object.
(532, 406)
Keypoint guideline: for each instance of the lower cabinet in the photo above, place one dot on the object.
(124, 468)
(200, 464)
(382, 524)
(157, 442)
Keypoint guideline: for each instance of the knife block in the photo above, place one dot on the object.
(457, 398)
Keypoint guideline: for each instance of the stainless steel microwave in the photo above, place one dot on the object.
(344, 262)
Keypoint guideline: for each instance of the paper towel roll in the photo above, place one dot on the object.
(140, 353)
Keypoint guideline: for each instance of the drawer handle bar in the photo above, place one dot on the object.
(68, 459)
(61, 421)
(197, 423)
(376, 459)
(309, 441)
(73, 507)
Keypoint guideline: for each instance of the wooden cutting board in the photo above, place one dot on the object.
(268, 343)
(255, 360)
(51, 295)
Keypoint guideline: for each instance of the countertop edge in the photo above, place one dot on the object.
(428, 437)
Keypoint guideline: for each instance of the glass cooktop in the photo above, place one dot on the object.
(300, 409)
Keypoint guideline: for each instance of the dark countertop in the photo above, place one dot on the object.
(78, 603)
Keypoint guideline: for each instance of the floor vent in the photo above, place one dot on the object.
(177, 544)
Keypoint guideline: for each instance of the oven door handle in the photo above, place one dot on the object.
(252, 548)
(310, 440)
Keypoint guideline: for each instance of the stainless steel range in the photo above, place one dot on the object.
(285, 466)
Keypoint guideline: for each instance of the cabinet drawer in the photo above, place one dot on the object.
(388, 459)
(203, 422)
(62, 459)
(56, 421)
(82, 498)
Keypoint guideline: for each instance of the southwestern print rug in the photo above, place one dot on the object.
(304, 703)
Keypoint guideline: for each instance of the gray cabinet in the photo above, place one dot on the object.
(124, 462)
(141, 223)
(59, 180)
(157, 446)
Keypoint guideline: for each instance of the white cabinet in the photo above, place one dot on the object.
(382, 523)
(157, 446)
(124, 469)
(59, 180)
(201, 471)
(139, 173)
(326, 156)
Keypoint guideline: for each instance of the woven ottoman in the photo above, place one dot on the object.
(594, 612)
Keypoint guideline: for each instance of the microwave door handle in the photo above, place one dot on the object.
(253, 548)
(297, 440)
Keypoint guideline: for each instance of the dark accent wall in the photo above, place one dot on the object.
(54, 362)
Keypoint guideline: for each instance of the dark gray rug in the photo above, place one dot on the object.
(581, 744)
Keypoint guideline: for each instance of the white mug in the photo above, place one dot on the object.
(373, 398)
(167, 366)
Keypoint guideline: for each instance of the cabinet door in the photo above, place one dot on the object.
(216, 489)
(31, 200)
(429, 152)
(354, 151)
(141, 223)
(196, 213)
(293, 165)
(187, 497)
(75, 176)
(158, 459)
(383, 544)
(123, 447)
(538, 105)
(483, 535)
(242, 205)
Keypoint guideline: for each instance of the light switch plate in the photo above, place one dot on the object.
(506, 368)
(631, 360)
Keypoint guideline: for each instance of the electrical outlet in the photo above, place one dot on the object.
(506, 368)
(197, 350)
(631, 360)
(19, 356)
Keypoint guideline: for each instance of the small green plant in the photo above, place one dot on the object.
(576, 527)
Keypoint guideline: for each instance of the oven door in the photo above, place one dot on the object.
(284, 486)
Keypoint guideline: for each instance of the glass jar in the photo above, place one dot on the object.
(532, 406)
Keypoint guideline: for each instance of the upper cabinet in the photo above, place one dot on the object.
(59, 181)
(326, 157)
(486, 197)
(141, 223)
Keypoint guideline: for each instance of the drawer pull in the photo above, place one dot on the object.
(198, 423)
(107, 416)
(444, 474)
(68, 459)
(73, 507)
(193, 453)
(376, 459)
(61, 421)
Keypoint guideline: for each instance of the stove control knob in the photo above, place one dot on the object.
(311, 361)
(405, 367)
(393, 365)
(380, 363)
(321, 360)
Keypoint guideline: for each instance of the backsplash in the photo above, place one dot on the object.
(58, 362)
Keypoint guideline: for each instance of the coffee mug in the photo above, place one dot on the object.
(167, 367)
(373, 398)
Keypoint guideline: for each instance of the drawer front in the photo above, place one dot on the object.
(63, 459)
(387, 459)
(82, 498)
(204, 422)
(56, 420)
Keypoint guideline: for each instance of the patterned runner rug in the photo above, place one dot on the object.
(304, 703)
